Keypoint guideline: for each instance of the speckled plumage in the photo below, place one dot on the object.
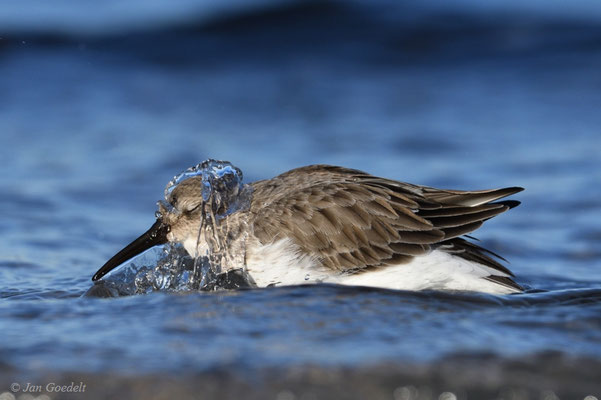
(354, 221)
(345, 222)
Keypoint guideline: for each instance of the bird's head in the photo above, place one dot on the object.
(209, 190)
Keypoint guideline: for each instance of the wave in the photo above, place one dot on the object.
(288, 22)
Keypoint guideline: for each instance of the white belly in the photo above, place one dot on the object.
(282, 263)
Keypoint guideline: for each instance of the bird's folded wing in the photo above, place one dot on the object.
(351, 220)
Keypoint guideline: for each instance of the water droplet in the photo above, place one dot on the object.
(405, 393)
(7, 396)
(220, 182)
(548, 395)
(447, 396)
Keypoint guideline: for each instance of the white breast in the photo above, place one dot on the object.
(282, 263)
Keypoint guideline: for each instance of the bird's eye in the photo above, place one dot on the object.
(189, 207)
(192, 208)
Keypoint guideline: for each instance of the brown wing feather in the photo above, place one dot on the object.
(352, 220)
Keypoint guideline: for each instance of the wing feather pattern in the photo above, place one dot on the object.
(354, 221)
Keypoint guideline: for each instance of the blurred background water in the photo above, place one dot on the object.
(102, 104)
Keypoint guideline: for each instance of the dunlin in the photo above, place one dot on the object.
(323, 223)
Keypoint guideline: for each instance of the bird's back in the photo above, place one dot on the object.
(352, 223)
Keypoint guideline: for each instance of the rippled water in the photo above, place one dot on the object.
(94, 127)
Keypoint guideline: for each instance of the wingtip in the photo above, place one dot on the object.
(508, 191)
(509, 203)
(507, 282)
(505, 192)
(516, 189)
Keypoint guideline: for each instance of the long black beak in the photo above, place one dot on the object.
(157, 234)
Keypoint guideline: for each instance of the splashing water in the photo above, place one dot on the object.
(169, 267)
(223, 194)
(172, 272)
(221, 187)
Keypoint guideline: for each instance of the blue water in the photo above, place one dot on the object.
(96, 117)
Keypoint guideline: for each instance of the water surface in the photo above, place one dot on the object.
(95, 122)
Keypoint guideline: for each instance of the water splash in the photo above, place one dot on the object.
(178, 272)
(223, 194)
(171, 272)
(169, 267)
(221, 186)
